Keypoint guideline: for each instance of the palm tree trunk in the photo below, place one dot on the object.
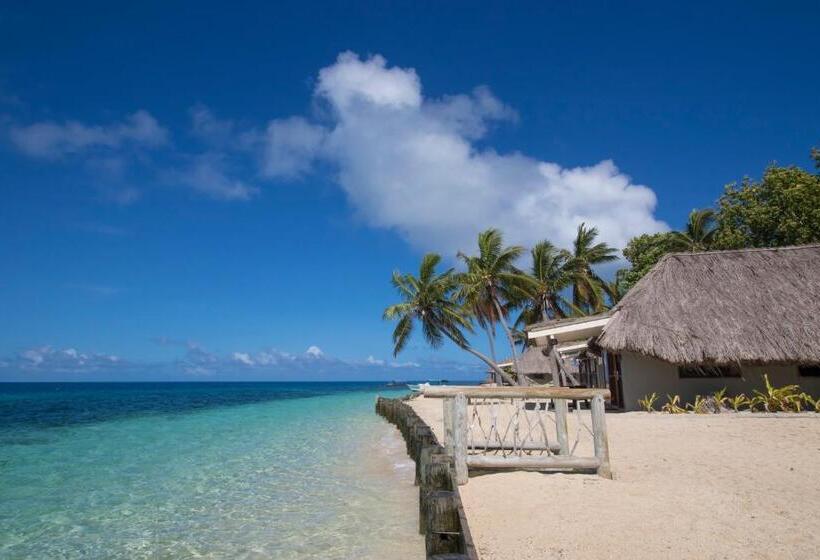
(491, 341)
(519, 376)
(500, 372)
(467, 348)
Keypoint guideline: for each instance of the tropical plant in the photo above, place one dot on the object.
(492, 284)
(550, 275)
(699, 234)
(811, 402)
(673, 405)
(720, 399)
(588, 289)
(647, 403)
(738, 401)
(429, 300)
(700, 406)
(788, 398)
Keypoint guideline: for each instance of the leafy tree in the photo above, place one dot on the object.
(493, 283)
(430, 301)
(783, 208)
(643, 252)
(588, 291)
(551, 275)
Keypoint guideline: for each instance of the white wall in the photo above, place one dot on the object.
(642, 376)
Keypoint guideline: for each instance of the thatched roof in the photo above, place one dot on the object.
(534, 361)
(753, 306)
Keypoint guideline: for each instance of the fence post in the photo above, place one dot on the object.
(561, 425)
(460, 437)
(448, 425)
(599, 437)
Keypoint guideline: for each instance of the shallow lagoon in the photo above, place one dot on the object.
(222, 470)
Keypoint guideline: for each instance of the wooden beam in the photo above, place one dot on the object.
(530, 392)
(531, 463)
(495, 446)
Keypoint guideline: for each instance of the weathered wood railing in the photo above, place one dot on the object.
(500, 428)
(441, 515)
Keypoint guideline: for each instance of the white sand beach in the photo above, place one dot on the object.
(726, 486)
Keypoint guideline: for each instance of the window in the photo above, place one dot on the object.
(809, 371)
(695, 372)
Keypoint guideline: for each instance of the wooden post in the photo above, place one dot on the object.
(436, 474)
(447, 407)
(460, 437)
(599, 437)
(443, 524)
(561, 425)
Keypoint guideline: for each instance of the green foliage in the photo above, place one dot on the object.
(551, 274)
(673, 405)
(648, 402)
(720, 399)
(810, 402)
(588, 289)
(738, 402)
(783, 208)
(700, 406)
(699, 233)
(643, 252)
(788, 398)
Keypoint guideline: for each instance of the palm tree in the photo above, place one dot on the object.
(429, 300)
(492, 283)
(699, 233)
(551, 274)
(588, 288)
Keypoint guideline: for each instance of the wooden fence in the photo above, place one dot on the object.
(524, 428)
(441, 515)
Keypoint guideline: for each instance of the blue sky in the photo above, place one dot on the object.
(195, 191)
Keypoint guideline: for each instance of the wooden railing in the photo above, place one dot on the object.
(524, 428)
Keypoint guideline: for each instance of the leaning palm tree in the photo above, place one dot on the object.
(588, 288)
(492, 283)
(551, 275)
(430, 300)
(699, 233)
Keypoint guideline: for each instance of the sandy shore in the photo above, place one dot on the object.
(686, 486)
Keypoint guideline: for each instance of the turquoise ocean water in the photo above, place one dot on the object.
(202, 470)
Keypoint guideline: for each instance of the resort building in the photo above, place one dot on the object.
(698, 322)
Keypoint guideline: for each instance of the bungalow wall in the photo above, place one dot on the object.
(642, 376)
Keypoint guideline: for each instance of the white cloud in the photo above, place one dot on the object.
(350, 83)
(50, 359)
(412, 164)
(206, 174)
(404, 365)
(290, 147)
(53, 140)
(314, 352)
(374, 362)
(243, 358)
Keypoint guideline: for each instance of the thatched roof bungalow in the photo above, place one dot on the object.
(701, 321)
